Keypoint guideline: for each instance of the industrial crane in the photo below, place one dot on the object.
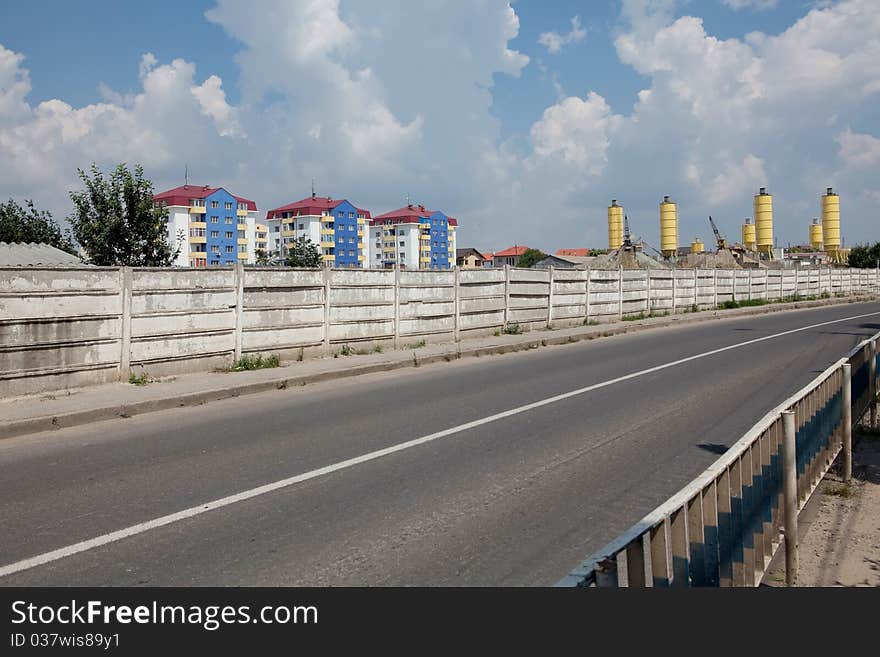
(721, 242)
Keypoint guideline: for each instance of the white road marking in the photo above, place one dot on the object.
(140, 528)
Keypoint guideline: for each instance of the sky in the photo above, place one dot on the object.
(523, 120)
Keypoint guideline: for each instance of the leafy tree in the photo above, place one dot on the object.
(864, 256)
(27, 224)
(117, 223)
(530, 257)
(263, 257)
(303, 253)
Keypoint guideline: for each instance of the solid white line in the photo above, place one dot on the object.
(140, 528)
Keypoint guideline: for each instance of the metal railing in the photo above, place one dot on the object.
(724, 527)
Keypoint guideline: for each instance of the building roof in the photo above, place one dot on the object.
(583, 253)
(181, 196)
(311, 206)
(410, 214)
(463, 253)
(572, 261)
(512, 251)
(22, 254)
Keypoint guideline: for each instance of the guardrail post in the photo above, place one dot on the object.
(125, 328)
(872, 384)
(550, 299)
(619, 291)
(847, 423)
(239, 310)
(456, 330)
(789, 490)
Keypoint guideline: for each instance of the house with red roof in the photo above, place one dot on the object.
(508, 256)
(211, 225)
(336, 225)
(413, 237)
(579, 253)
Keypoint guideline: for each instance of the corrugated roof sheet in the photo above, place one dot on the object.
(20, 254)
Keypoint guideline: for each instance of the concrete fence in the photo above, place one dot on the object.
(724, 527)
(62, 328)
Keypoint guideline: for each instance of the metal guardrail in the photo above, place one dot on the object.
(724, 527)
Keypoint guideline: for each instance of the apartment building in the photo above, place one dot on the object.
(335, 225)
(413, 238)
(218, 228)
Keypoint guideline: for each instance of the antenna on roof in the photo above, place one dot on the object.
(185, 175)
(408, 202)
(313, 188)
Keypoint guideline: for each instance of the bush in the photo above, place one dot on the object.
(251, 362)
(513, 329)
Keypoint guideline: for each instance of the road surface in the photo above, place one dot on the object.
(591, 436)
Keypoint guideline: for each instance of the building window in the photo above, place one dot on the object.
(228, 248)
(228, 220)
(228, 205)
(215, 249)
(242, 248)
(242, 236)
(302, 226)
(276, 229)
(214, 204)
(214, 220)
(215, 233)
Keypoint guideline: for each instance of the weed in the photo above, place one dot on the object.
(251, 362)
(497, 333)
(378, 349)
(346, 350)
(633, 318)
(543, 343)
(591, 322)
(300, 354)
(415, 360)
(421, 343)
(840, 490)
(141, 379)
(513, 329)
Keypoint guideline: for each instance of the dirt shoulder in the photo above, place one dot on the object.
(840, 536)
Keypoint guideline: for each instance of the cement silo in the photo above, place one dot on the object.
(831, 224)
(816, 237)
(749, 239)
(668, 228)
(764, 221)
(697, 246)
(615, 225)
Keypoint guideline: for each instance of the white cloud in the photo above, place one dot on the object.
(751, 4)
(553, 41)
(858, 151)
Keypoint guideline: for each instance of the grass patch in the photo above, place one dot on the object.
(258, 362)
(633, 318)
(512, 329)
(416, 345)
(839, 490)
(591, 322)
(141, 379)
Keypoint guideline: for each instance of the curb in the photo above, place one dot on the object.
(455, 352)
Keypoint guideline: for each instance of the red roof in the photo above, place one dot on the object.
(311, 206)
(185, 193)
(410, 214)
(573, 252)
(512, 251)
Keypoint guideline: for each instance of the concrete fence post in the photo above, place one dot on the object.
(506, 295)
(326, 273)
(673, 290)
(872, 384)
(550, 299)
(797, 281)
(696, 295)
(789, 493)
(125, 327)
(456, 335)
(587, 298)
(619, 291)
(750, 284)
(715, 286)
(396, 305)
(847, 423)
(647, 291)
(239, 309)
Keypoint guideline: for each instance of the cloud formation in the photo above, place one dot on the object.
(554, 42)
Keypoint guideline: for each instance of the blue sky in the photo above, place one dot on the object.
(462, 104)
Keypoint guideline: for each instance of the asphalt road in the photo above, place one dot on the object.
(518, 500)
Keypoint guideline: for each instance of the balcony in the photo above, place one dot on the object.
(196, 239)
(242, 227)
(428, 260)
(328, 245)
(425, 237)
(328, 231)
(360, 258)
(197, 224)
(243, 240)
(241, 213)
(328, 258)
(288, 233)
(242, 255)
(198, 255)
(360, 233)
(197, 209)
(327, 220)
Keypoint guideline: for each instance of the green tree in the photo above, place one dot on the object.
(117, 223)
(864, 256)
(303, 253)
(27, 224)
(263, 257)
(530, 257)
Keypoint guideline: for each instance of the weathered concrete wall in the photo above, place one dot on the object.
(62, 328)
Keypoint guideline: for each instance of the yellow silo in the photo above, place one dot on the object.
(831, 224)
(615, 225)
(816, 237)
(764, 221)
(750, 241)
(697, 246)
(668, 228)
